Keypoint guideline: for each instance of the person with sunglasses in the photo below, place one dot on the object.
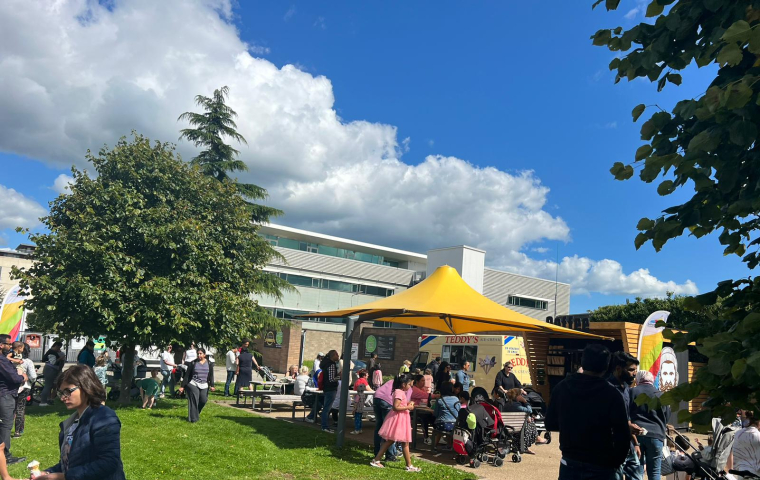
(90, 439)
(506, 381)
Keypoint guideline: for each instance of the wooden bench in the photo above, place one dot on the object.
(515, 422)
(293, 400)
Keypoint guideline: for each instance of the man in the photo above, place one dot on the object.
(167, 365)
(231, 364)
(433, 366)
(506, 380)
(463, 378)
(591, 419)
(10, 381)
(655, 422)
(623, 369)
(382, 404)
(329, 386)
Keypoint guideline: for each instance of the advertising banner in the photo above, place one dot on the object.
(652, 355)
(12, 312)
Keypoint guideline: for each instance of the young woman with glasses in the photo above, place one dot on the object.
(90, 439)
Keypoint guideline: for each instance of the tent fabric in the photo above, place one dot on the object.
(446, 303)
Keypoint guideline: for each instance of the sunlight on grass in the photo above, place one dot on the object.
(226, 444)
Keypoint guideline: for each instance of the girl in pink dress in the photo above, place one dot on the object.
(397, 426)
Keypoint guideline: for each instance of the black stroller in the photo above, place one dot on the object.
(267, 374)
(538, 405)
(700, 465)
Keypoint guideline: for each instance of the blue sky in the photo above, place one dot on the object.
(512, 85)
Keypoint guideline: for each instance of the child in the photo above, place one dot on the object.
(397, 426)
(377, 378)
(428, 380)
(464, 398)
(359, 405)
(101, 368)
(149, 389)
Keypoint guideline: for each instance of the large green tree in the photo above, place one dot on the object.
(149, 251)
(708, 144)
(218, 159)
(638, 311)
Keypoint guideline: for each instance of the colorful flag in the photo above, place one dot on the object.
(650, 343)
(12, 312)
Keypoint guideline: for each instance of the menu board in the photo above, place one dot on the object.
(383, 345)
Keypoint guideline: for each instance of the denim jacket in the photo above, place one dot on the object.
(96, 447)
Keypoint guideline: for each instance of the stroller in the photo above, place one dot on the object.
(267, 374)
(477, 436)
(706, 464)
(538, 405)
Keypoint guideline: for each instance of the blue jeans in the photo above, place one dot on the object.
(358, 421)
(651, 452)
(329, 399)
(167, 380)
(631, 468)
(230, 376)
(382, 408)
(572, 470)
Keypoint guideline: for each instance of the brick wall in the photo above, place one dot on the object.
(279, 359)
(318, 341)
(407, 345)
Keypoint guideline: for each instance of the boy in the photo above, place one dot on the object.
(149, 389)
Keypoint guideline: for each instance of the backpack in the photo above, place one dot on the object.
(462, 442)
(320, 380)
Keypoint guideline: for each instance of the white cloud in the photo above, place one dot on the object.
(289, 14)
(83, 75)
(259, 50)
(16, 210)
(320, 23)
(631, 13)
(540, 249)
(61, 184)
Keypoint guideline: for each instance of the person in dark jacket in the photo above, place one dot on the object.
(329, 369)
(654, 421)
(591, 419)
(623, 367)
(90, 439)
(506, 380)
(443, 376)
(10, 381)
(433, 366)
(87, 354)
(198, 381)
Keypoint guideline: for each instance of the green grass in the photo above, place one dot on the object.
(226, 444)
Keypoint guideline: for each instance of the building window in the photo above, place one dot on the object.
(290, 315)
(331, 251)
(528, 302)
(335, 285)
(378, 324)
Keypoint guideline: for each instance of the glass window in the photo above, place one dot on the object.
(299, 280)
(528, 302)
(288, 243)
(457, 354)
(331, 251)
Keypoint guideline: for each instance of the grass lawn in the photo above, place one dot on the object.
(225, 444)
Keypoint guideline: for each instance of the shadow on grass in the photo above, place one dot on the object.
(288, 436)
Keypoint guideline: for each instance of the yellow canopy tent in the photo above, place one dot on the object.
(442, 302)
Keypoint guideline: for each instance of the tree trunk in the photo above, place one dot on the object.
(128, 373)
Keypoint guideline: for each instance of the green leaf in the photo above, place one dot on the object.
(612, 4)
(621, 172)
(645, 224)
(754, 41)
(643, 152)
(703, 417)
(666, 188)
(730, 54)
(602, 37)
(637, 111)
(704, 142)
(738, 368)
(684, 416)
(640, 240)
(674, 78)
(714, 5)
(743, 133)
(754, 361)
(738, 32)
(654, 9)
(719, 366)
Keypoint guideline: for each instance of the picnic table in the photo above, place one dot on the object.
(257, 383)
(319, 393)
(421, 408)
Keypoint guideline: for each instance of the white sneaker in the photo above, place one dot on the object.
(443, 441)
(428, 441)
(310, 420)
(44, 404)
(356, 432)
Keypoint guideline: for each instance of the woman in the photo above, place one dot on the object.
(90, 438)
(745, 452)
(54, 360)
(190, 355)
(87, 354)
(301, 382)
(293, 372)
(443, 376)
(198, 381)
(31, 374)
(446, 410)
(517, 403)
(244, 370)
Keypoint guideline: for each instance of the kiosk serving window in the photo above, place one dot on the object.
(457, 354)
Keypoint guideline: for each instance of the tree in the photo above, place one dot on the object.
(148, 252)
(218, 159)
(638, 311)
(708, 144)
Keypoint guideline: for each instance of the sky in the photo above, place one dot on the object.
(414, 125)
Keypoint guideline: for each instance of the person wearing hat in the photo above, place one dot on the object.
(506, 380)
(317, 361)
(87, 355)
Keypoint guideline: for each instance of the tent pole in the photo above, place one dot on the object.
(345, 379)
